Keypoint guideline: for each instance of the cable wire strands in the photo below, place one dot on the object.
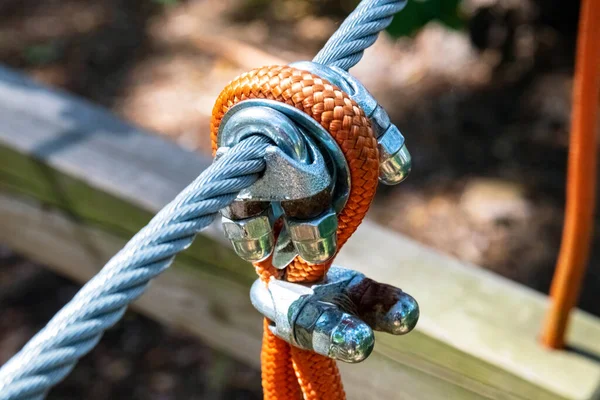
(358, 32)
(76, 329)
(50, 355)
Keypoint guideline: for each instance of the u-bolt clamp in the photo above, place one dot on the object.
(306, 183)
(394, 159)
(335, 317)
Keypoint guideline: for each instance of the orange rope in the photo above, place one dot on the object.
(581, 179)
(286, 369)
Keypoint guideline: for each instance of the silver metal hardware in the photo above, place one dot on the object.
(315, 239)
(306, 173)
(304, 316)
(394, 159)
(340, 171)
(285, 251)
(399, 319)
(241, 122)
(334, 317)
(295, 167)
(252, 238)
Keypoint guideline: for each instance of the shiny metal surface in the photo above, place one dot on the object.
(327, 330)
(306, 173)
(394, 159)
(339, 169)
(305, 319)
(294, 170)
(401, 318)
(394, 312)
(285, 251)
(240, 122)
(380, 121)
(252, 238)
(315, 239)
(350, 339)
(279, 301)
(395, 162)
(328, 318)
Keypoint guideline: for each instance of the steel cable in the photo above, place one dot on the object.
(75, 330)
(358, 32)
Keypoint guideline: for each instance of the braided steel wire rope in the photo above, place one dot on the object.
(75, 330)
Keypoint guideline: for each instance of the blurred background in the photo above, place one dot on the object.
(480, 88)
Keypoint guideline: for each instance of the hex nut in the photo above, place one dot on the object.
(395, 161)
(316, 228)
(252, 238)
(315, 239)
(249, 228)
(327, 330)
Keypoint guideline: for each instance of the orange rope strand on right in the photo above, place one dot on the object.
(581, 179)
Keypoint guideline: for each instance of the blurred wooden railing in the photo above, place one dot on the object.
(76, 183)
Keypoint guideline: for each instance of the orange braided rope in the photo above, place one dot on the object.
(581, 179)
(289, 373)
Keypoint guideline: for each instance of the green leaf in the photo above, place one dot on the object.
(166, 2)
(418, 13)
(41, 54)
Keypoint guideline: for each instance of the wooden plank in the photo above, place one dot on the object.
(189, 297)
(82, 159)
(91, 182)
(478, 313)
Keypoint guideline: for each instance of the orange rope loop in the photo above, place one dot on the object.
(289, 372)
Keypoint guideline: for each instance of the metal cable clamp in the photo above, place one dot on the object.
(306, 183)
(335, 317)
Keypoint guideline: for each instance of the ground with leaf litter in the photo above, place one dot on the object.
(485, 110)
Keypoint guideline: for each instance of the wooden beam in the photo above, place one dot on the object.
(190, 297)
(76, 183)
(82, 159)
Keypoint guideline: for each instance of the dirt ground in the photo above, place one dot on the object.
(485, 111)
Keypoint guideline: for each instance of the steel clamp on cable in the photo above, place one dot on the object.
(336, 316)
(305, 182)
(332, 143)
